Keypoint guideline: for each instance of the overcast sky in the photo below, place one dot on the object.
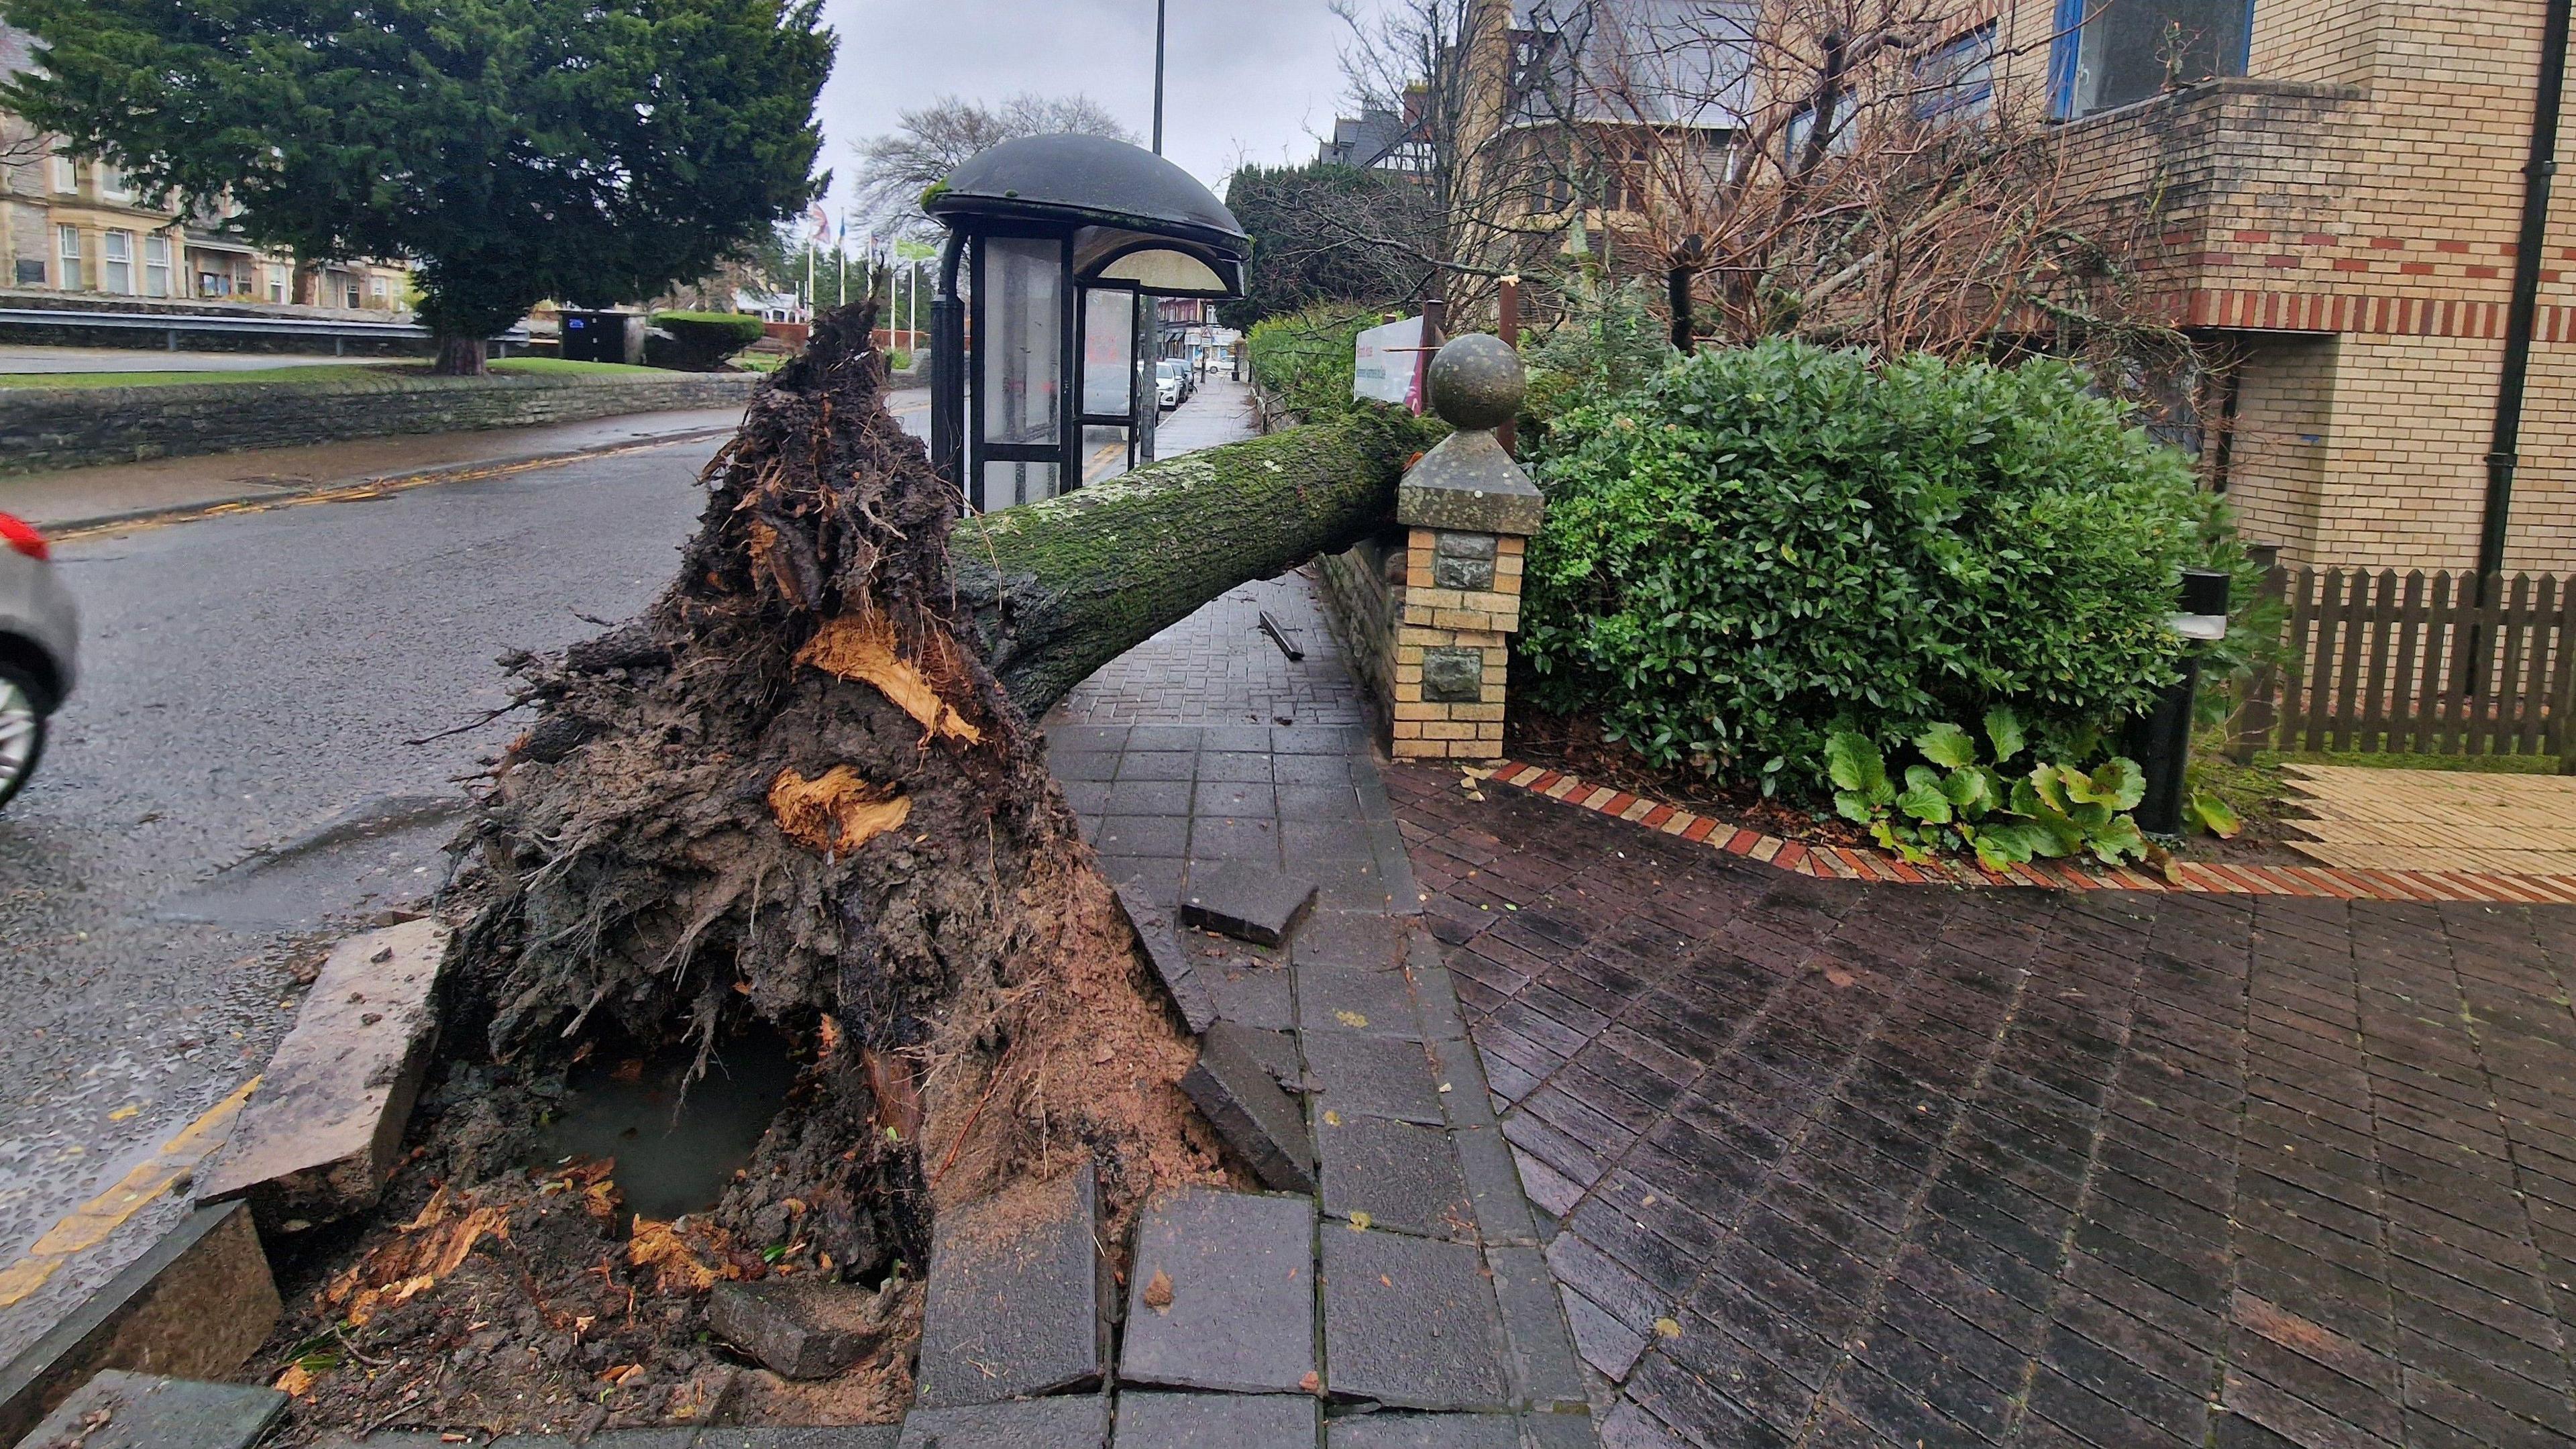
(1254, 80)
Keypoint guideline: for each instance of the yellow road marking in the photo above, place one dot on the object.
(90, 1224)
(1100, 458)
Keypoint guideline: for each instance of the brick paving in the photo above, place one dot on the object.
(2435, 820)
(1835, 1163)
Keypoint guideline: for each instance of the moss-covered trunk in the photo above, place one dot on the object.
(1052, 591)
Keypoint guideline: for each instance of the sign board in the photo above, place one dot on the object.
(1384, 367)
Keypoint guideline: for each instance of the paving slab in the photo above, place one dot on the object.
(1076, 1421)
(1410, 1322)
(1394, 1175)
(1245, 900)
(1367, 939)
(1236, 1093)
(1349, 998)
(320, 1136)
(1372, 1076)
(196, 1304)
(1017, 1298)
(798, 1329)
(1217, 1421)
(119, 1410)
(1159, 934)
(1538, 1348)
(1389, 1430)
(849, 1436)
(1221, 1294)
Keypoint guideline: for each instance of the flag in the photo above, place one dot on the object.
(822, 222)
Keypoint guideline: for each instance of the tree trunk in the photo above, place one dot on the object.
(1054, 590)
(460, 357)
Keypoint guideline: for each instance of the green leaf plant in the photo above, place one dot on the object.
(1954, 799)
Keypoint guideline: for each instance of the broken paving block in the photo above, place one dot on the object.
(320, 1135)
(1161, 939)
(1411, 1322)
(1222, 1293)
(1424, 1431)
(1391, 1174)
(197, 1304)
(1236, 1421)
(800, 1329)
(1078, 1421)
(146, 1411)
(1251, 902)
(1018, 1297)
(1231, 1088)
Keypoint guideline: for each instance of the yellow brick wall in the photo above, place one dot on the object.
(2283, 432)
(1436, 618)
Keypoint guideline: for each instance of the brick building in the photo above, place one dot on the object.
(2331, 198)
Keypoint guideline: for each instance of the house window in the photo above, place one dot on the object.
(68, 239)
(66, 173)
(1958, 80)
(376, 291)
(117, 258)
(156, 266)
(1803, 125)
(111, 184)
(2117, 52)
(31, 271)
(277, 284)
(352, 294)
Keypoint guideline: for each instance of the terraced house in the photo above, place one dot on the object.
(2333, 191)
(73, 226)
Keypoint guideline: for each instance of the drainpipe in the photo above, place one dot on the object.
(2505, 454)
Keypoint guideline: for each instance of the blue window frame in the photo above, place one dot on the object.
(2110, 53)
(1958, 80)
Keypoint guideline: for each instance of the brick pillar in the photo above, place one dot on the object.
(1468, 511)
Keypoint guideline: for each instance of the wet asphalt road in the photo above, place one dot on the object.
(246, 680)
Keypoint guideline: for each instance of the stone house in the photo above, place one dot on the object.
(71, 226)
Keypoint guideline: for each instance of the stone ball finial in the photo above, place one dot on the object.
(1477, 382)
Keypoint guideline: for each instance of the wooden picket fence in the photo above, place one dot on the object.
(2389, 663)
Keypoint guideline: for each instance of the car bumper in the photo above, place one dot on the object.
(53, 622)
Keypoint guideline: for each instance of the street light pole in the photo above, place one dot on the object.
(1158, 76)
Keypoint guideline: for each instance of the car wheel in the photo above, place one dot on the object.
(22, 732)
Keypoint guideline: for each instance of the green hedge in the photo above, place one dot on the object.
(1761, 547)
(1304, 360)
(701, 341)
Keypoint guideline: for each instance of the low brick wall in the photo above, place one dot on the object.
(1361, 604)
(47, 428)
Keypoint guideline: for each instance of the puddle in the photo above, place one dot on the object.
(621, 1107)
(386, 852)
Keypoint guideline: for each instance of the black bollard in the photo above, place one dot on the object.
(2160, 740)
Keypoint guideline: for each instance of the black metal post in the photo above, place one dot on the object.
(1158, 75)
(948, 375)
(1677, 289)
(2160, 740)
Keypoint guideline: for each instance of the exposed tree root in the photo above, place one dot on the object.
(793, 793)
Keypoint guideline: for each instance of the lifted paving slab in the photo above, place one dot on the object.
(321, 1134)
(1247, 901)
(1410, 1322)
(1372, 1076)
(1217, 1421)
(1077, 1421)
(144, 1411)
(1238, 1271)
(1236, 1092)
(196, 1304)
(1017, 1301)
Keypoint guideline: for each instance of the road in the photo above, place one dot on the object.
(232, 786)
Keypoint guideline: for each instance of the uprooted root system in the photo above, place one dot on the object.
(790, 793)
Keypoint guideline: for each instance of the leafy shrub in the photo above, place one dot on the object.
(700, 341)
(1953, 799)
(1304, 360)
(1762, 547)
(1608, 340)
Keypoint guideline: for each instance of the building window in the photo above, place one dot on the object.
(68, 238)
(352, 294)
(1958, 80)
(111, 184)
(214, 284)
(31, 271)
(2117, 52)
(376, 291)
(156, 266)
(117, 263)
(66, 174)
(277, 284)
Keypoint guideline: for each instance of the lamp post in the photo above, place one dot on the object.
(1158, 76)
(1056, 247)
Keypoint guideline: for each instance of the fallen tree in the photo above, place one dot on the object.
(803, 792)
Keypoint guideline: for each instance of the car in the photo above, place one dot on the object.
(39, 634)
(1168, 391)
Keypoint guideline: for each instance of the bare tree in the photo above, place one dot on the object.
(929, 143)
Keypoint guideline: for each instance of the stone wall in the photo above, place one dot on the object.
(48, 428)
(1363, 596)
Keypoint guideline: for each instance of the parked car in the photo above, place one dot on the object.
(1170, 389)
(39, 632)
